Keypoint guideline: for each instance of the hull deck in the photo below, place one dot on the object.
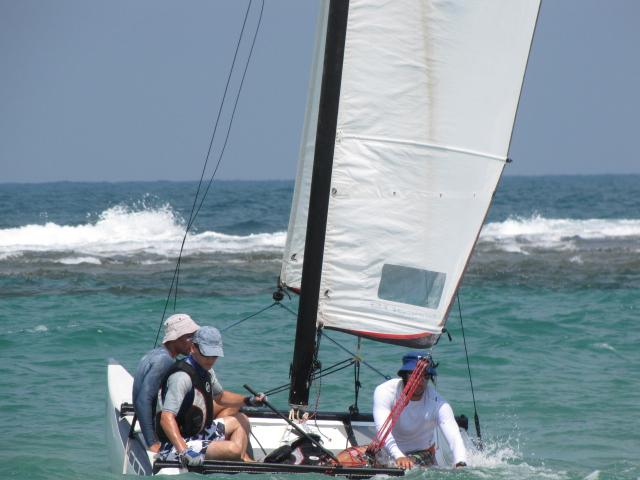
(337, 430)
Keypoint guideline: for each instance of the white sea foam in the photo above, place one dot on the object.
(514, 234)
(9, 255)
(79, 260)
(503, 459)
(498, 455)
(604, 346)
(122, 231)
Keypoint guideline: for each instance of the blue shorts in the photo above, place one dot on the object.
(197, 443)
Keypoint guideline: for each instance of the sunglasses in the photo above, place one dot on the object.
(405, 378)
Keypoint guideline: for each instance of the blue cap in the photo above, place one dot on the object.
(410, 361)
(209, 341)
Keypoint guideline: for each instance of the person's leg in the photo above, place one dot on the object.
(219, 411)
(233, 447)
(242, 419)
(245, 425)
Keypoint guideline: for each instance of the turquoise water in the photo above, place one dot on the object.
(550, 307)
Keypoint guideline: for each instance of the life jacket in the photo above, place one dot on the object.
(196, 412)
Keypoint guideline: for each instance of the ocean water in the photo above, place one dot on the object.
(550, 304)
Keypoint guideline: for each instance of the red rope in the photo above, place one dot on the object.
(417, 376)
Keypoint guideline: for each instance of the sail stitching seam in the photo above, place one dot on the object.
(423, 144)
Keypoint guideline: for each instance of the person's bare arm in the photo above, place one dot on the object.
(235, 400)
(172, 431)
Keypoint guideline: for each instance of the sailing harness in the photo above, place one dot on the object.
(196, 412)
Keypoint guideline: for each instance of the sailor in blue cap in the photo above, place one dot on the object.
(412, 440)
(185, 421)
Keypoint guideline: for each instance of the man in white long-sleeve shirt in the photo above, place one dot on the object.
(412, 440)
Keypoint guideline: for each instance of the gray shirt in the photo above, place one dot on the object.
(146, 383)
(178, 385)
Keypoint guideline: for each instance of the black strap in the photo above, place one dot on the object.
(184, 416)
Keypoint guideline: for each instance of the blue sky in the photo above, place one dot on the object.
(129, 90)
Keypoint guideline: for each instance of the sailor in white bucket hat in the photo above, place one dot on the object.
(178, 332)
(178, 326)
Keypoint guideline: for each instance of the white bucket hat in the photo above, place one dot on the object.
(178, 325)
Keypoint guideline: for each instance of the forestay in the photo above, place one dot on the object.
(427, 105)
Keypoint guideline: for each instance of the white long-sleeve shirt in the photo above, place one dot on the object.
(416, 426)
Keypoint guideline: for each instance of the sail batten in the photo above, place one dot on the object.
(429, 92)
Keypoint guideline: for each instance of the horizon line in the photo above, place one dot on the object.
(230, 180)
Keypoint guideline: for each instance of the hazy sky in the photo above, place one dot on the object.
(129, 89)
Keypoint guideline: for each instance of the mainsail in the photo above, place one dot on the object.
(428, 97)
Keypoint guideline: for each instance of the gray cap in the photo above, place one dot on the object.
(209, 341)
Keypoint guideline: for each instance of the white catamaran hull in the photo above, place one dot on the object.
(138, 460)
(269, 432)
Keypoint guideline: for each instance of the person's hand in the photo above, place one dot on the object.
(155, 448)
(404, 463)
(190, 458)
(256, 400)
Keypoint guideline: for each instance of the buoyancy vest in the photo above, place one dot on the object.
(196, 411)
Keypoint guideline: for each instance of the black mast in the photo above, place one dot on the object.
(304, 349)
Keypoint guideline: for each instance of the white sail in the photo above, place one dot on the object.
(291, 274)
(427, 105)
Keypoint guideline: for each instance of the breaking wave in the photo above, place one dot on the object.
(518, 234)
(121, 231)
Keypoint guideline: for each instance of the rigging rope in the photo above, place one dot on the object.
(235, 106)
(194, 212)
(288, 310)
(247, 318)
(353, 409)
(316, 366)
(192, 216)
(473, 396)
(356, 356)
(318, 372)
(414, 380)
(327, 371)
(386, 377)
